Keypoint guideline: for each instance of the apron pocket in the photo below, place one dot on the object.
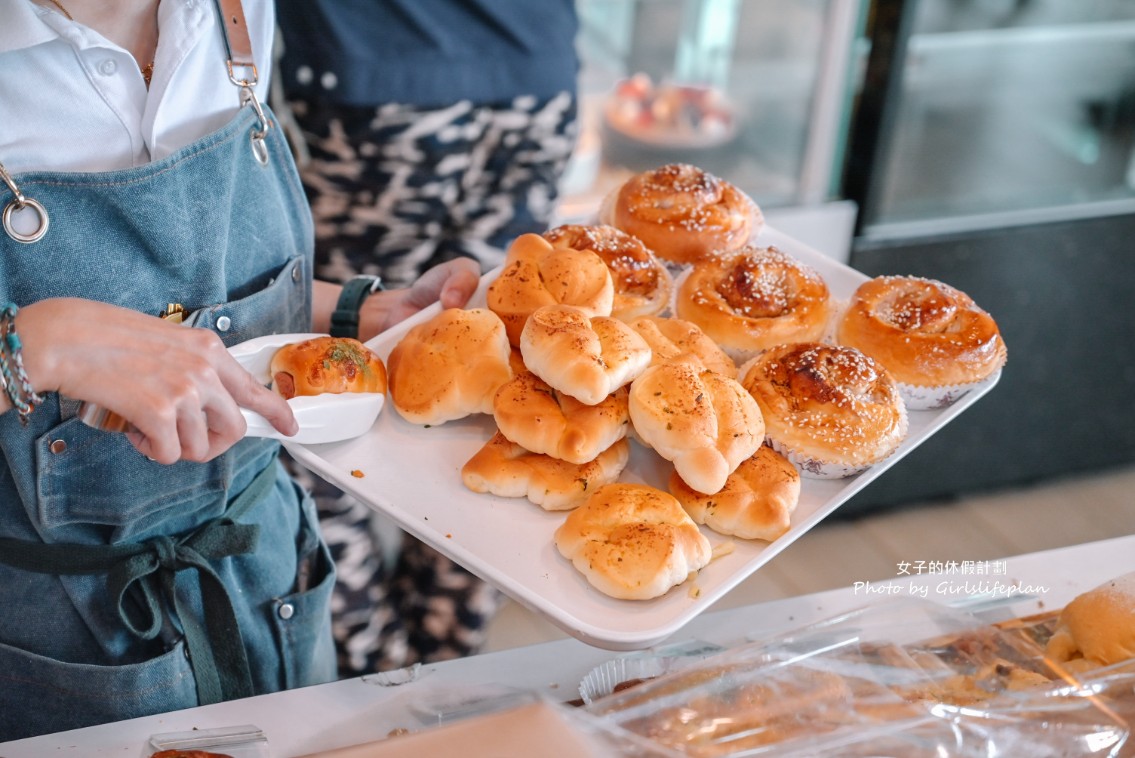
(282, 307)
(303, 618)
(87, 476)
(39, 695)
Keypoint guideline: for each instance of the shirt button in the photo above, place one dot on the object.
(287, 610)
(108, 67)
(304, 75)
(329, 80)
(57, 446)
(223, 323)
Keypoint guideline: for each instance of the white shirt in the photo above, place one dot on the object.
(71, 100)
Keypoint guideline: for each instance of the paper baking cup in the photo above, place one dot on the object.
(839, 307)
(603, 679)
(817, 468)
(933, 398)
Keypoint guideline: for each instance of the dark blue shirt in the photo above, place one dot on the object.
(427, 53)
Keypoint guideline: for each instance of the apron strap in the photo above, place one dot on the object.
(237, 42)
(215, 646)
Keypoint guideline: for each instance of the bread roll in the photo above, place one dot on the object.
(536, 274)
(642, 284)
(632, 542)
(756, 502)
(450, 366)
(926, 333)
(505, 469)
(830, 409)
(755, 298)
(704, 422)
(326, 365)
(585, 357)
(539, 418)
(673, 339)
(1098, 625)
(682, 213)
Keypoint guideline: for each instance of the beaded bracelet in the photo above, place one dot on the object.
(14, 378)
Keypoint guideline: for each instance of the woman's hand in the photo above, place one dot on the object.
(452, 283)
(178, 386)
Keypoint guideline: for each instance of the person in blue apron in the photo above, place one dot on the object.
(175, 565)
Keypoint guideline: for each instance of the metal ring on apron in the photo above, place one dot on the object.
(20, 203)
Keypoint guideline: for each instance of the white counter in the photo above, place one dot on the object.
(360, 710)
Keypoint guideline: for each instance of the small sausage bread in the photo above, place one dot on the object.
(326, 364)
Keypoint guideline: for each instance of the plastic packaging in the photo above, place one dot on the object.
(908, 677)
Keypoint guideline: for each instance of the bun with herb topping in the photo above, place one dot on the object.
(326, 365)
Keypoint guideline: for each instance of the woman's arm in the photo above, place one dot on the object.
(179, 387)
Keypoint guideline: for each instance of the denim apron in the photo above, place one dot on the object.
(119, 622)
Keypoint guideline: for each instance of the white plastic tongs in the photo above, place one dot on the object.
(321, 418)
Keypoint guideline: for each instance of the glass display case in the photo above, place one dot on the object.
(755, 91)
(1004, 112)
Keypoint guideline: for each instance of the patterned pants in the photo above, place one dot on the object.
(395, 191)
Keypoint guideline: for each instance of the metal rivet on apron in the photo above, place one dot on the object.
(223, 323)
(287, 610)
(57, 446)
(185, 651)
(297, 272)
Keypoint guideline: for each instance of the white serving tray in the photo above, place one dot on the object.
(412, 474)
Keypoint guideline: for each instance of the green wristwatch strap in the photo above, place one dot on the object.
(345, 318)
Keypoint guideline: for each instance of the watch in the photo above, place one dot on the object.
(345, 317)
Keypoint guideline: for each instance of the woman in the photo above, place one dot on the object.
(175, 565)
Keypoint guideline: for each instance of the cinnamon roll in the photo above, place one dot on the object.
(829, 409)
(933, 338)
(754, 299)
(682, 213)
(642, 284)
(536, 274)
